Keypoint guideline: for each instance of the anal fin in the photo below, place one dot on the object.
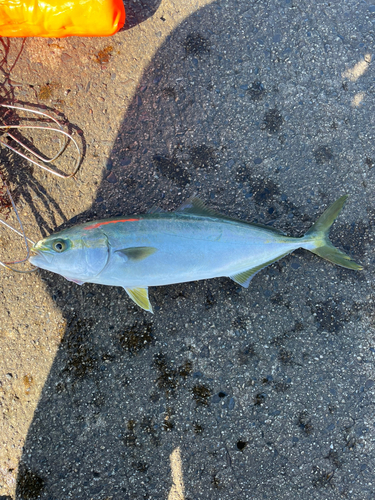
(140, 297)
(243, 278)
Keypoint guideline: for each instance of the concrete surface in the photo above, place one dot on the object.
(265, 110)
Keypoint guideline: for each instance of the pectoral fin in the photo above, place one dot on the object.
(245, 277)
(137, 253)
(140, 297)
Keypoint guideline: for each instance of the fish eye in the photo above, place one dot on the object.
(59, 246)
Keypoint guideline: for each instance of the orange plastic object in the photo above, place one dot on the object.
(61, 18)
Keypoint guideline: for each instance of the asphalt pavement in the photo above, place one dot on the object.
(265, 111)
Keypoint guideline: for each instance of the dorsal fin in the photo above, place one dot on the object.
(195, 206)
(155, 210)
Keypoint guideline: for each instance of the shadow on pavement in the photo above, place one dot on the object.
(137, 11)
(267, 391)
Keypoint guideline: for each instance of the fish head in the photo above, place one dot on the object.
(75, 254)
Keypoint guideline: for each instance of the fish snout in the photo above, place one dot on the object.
(40, 258)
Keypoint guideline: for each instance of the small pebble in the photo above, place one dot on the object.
(112, 178)
(66, 57)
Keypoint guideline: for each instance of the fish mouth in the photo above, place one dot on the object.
(40, 257)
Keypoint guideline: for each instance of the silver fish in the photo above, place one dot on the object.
(193, 243)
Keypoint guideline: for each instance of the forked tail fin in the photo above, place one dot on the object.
(318, 235)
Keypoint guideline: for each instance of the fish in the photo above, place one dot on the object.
(162, 248)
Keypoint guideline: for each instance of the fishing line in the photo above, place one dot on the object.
(33, 157)
(7, 265)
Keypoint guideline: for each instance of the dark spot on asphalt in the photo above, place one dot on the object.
(131, 425)
(329, 316)
(171, 168)
(221, 394)
(155, 397)
(29, 484)
(185, 370)
(137, 337)
(170, 92)
(322, 479)
(334, 457)
(168, 425)
(285, 356)
(108, 357)
(323, 154)
(263, 190)
(81, 358)
(228, 287)
(272, 121)
(98, 400)
(351, 443)
(239, 324)
(130, 439)
(304, 423)
(369, 162)
(241, 445)
(60, 388)
(169, 377)
(210, 299)
(281, 387)
(130, 182)
(148, 427)
(242, 174)
(278, 299)
(256, 91)
(196, 44)
(202, 156)
(201, 395)
(354, 238)
(140, 466)
(349, 438)
(198, 429)
(259, 399)
(245, 354)
(280, 340)
(298, 327)
(215, 481)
